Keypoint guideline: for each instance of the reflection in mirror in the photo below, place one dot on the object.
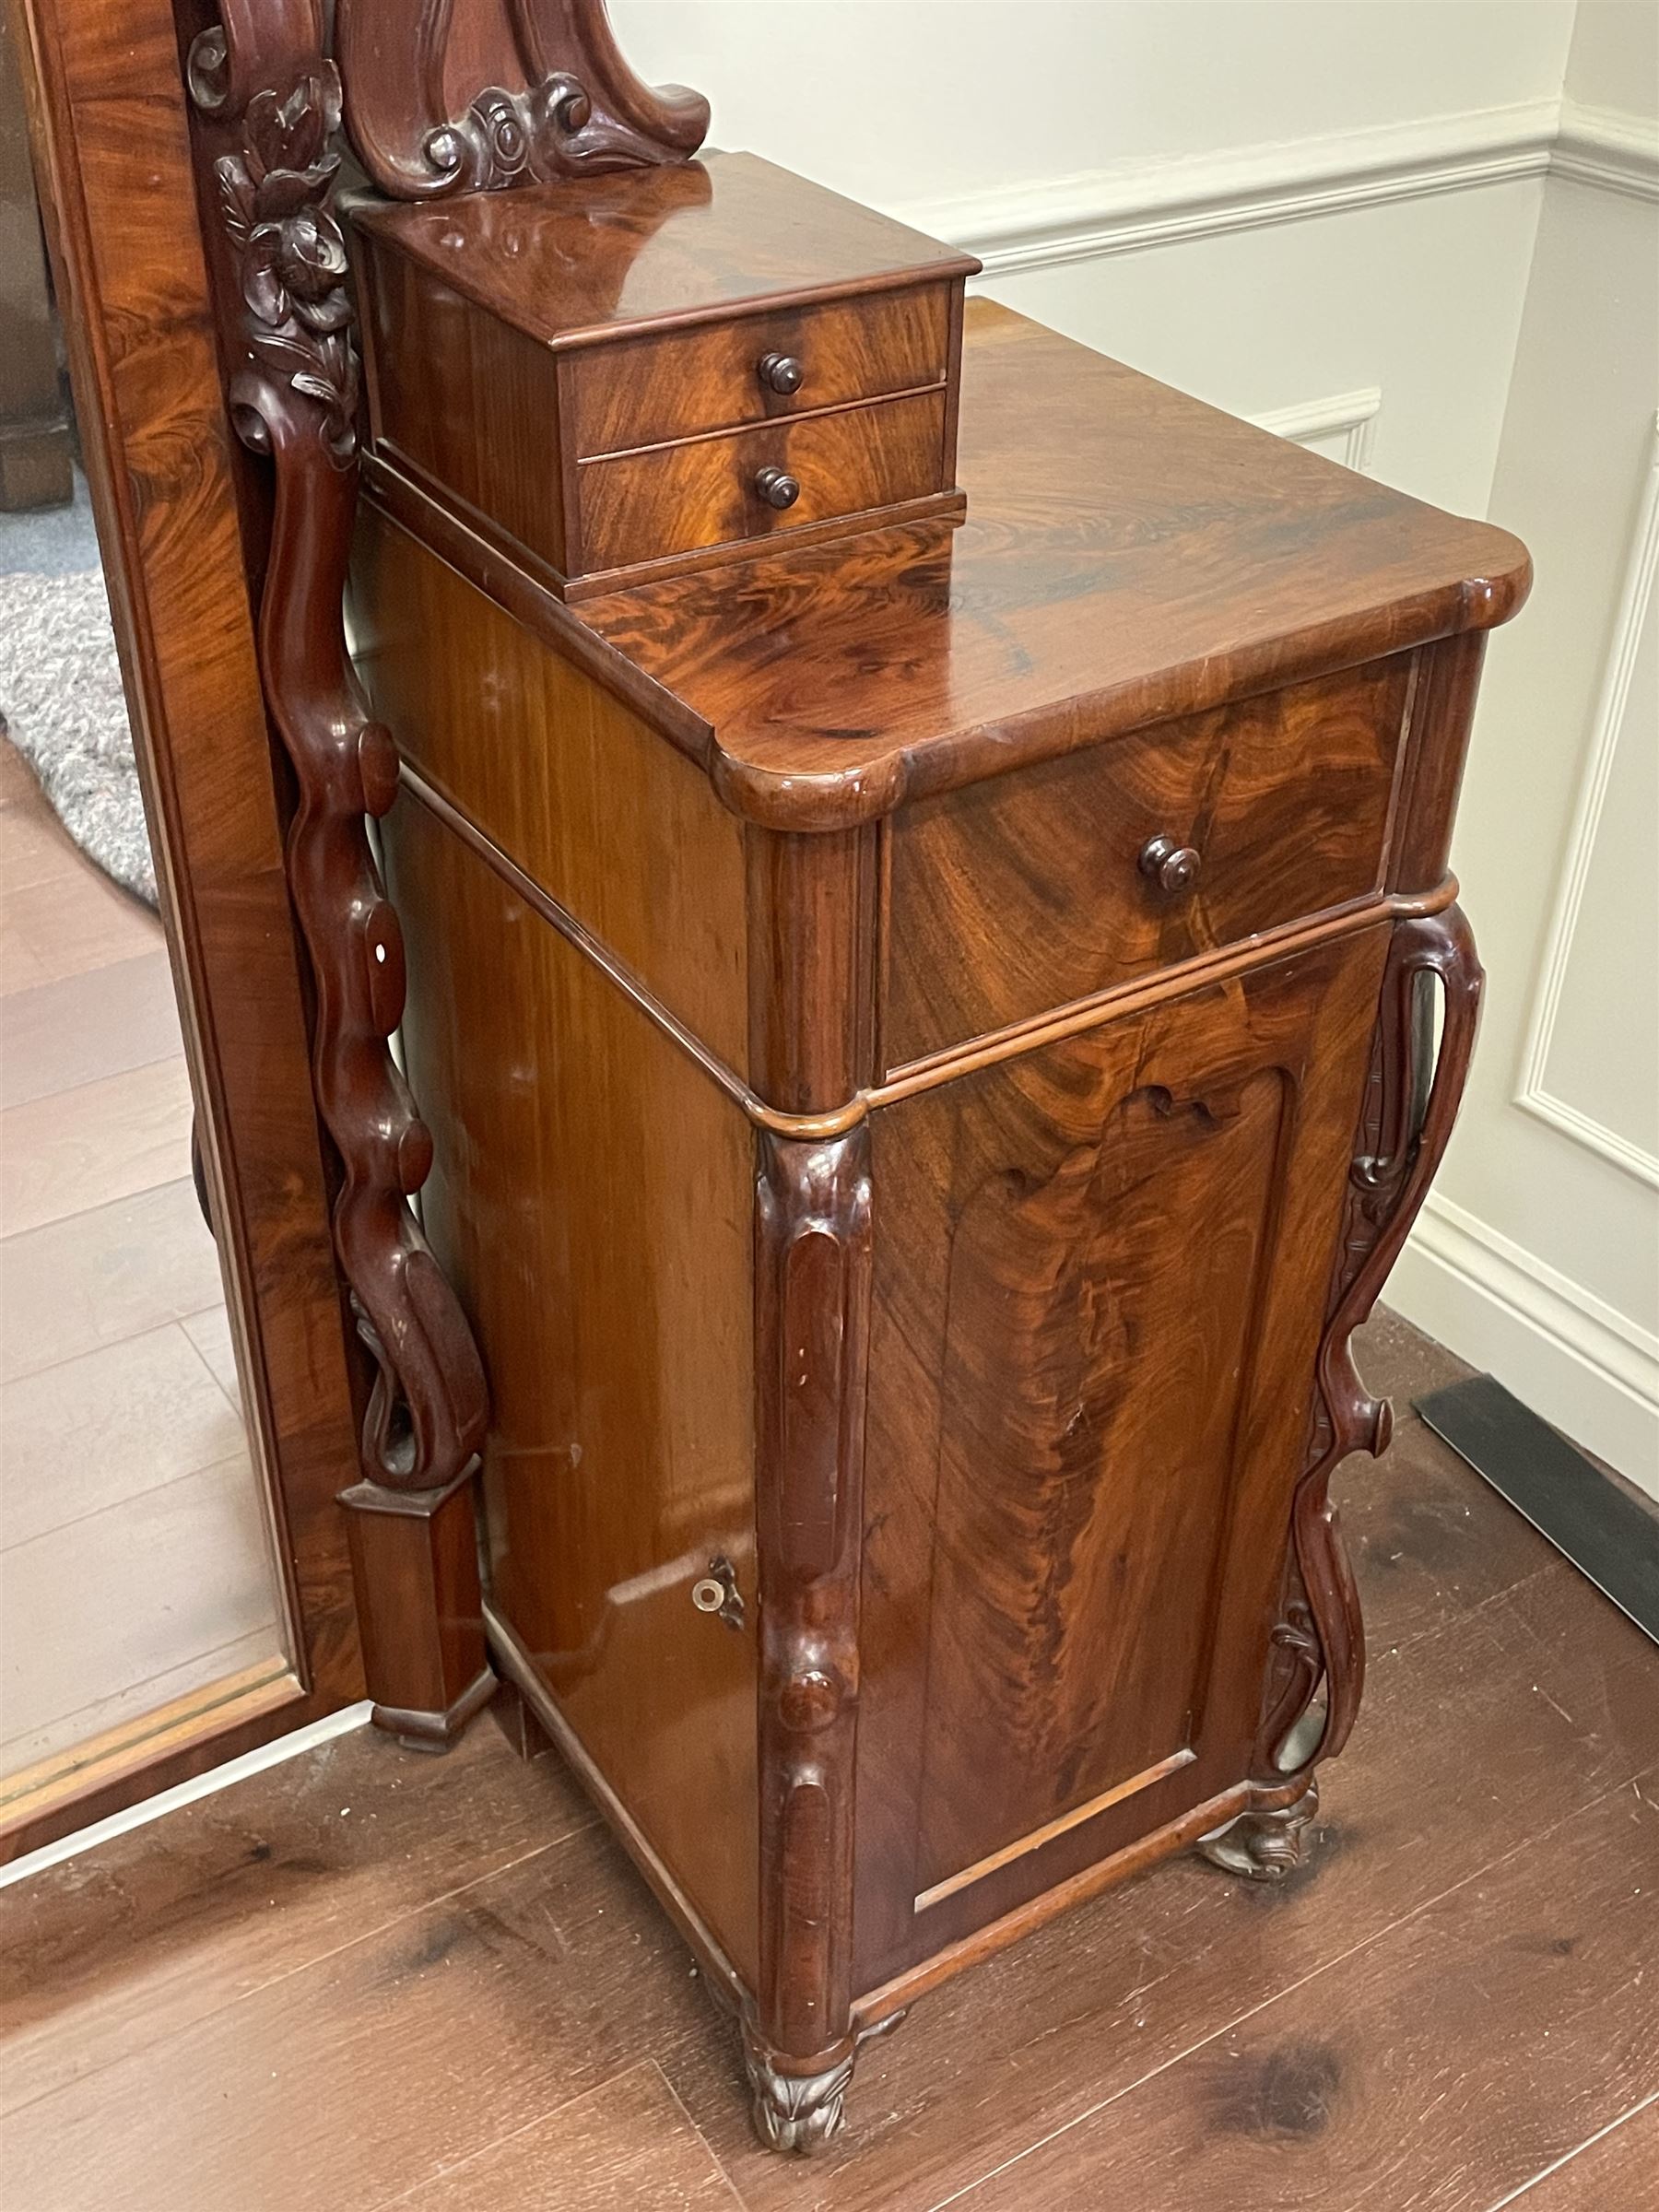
(137, 1581)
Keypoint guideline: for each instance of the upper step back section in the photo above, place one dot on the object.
(621, 376)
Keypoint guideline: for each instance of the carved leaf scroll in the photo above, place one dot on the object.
(266, 81)
(446, 96)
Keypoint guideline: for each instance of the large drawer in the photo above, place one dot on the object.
(707, 491)
(670, 384)
(1014, 896)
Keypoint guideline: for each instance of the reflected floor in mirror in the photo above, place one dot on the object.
(135, 1569)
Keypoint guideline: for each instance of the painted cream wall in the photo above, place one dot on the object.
(1410, 232)
(900, 101)
(1538, 1257)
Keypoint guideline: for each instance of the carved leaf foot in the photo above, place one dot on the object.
(1265, 1846)
(796, 2112)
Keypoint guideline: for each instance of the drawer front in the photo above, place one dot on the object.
(1024, 893)
(674, 499)
(682, 383)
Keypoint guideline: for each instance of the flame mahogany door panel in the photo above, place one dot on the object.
(1100, 1278)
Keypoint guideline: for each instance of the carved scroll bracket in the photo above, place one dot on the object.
(1404, 1125)
(505, 91)
(294, 400)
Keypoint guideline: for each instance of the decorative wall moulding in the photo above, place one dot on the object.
(1132, 204)
(1350, 416)
(1607, 146)
(1163, 201)
(1635, 609)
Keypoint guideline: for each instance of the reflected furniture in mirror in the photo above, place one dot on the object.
(910, 864)
(111, 158)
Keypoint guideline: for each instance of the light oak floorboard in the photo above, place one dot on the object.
(161, 1703)
(34, 845)
(104, 1140)
(98, 1277)
(61, 1035)
(210, 1334)
(102, 1609)
(18, 785)
(82, 1436)
(74, 919)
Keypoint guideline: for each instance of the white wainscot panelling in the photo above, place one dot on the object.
(1591, 1065)
(1341, 428)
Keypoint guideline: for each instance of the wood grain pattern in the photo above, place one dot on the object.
(1342, 2088)
(573, 785)
(107, 109)
(503, 375)
(1619, 2167)
(626, 2144)
(414, 1906)
(1071, 1549)
(674, 384)
(466, 409)
(591, 1197)
(580, 264)
(271, 101)
(677, 499)
(1129, 556)
(1025, 891)
(1105, 1171)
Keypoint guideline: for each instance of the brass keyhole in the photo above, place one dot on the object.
(717, 1592)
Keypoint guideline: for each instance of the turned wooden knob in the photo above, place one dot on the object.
(780, 373)
(1172, 868)
(777, 487)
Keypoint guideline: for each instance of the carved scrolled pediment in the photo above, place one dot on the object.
(447, 96)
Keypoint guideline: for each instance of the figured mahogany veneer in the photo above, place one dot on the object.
(1026, 891)
(597, 373)
(923, 1039)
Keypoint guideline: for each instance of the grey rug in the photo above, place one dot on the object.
(62, 706)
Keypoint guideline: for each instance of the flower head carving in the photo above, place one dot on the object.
(274, 195)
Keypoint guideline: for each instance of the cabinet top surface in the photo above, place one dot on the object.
(576, 262)
(1129, 553)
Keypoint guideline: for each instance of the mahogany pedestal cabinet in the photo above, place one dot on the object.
(923, 1023)
(911, 875)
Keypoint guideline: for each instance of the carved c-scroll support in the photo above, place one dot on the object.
(1404, 1126)
(294, 400)
(530, 90)
(812, 1303)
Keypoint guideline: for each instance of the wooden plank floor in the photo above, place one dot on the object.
(121, 1427)
(364, 1979)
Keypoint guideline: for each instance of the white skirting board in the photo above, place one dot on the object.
(1589, 1371)
(187, 1793)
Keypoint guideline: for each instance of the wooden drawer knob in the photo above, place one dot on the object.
(1172, 868)
(780, 373)
(777, 487)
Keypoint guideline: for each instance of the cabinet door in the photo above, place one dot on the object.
(1102, 1271)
